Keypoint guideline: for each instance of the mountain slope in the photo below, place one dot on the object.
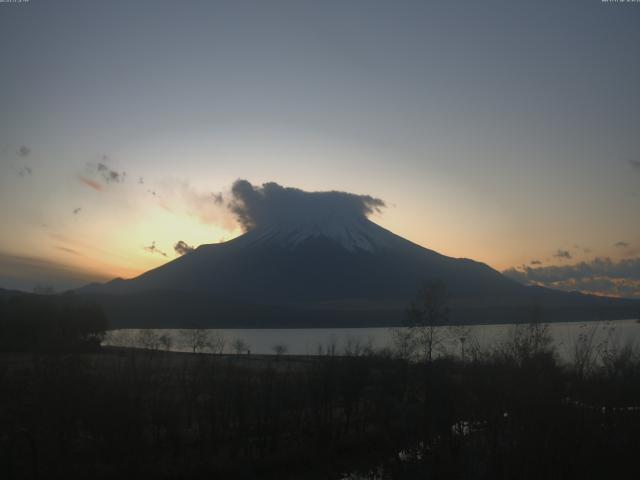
(323, 272)
(293, 265)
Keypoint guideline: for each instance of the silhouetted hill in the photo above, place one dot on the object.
(10, 293)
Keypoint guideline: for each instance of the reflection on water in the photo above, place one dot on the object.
(356, 341)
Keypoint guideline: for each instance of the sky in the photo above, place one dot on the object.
(506, 132)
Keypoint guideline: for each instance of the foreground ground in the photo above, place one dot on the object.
(122, 413)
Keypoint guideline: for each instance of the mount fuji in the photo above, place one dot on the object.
(315, 259)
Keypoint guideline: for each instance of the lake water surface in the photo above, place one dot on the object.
(313, 341)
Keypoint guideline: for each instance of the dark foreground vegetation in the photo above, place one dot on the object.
(50, 323)
(513, 412)
(70, 409)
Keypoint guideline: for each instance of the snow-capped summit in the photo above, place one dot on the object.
(353, 235)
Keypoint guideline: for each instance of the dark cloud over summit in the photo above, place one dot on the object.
(273, 204)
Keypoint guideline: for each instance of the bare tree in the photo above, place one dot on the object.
(332, 345)
(404, 343)
(586, 350)
(195, 338)
(427, 313)
(352, 347)
(166, 341)
(240, 346)
(148, 339)
(356, 346)
(280, 349)
(621, 362)
(528, 341)
(216, 342)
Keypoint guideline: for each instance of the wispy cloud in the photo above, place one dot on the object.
(153, 249)
(621, 244)
(68, 250)
(180, 196)
(91, 183)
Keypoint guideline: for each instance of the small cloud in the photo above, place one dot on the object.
(564, 254)
(182, 248)
(99, 174)
(153, 249)
(109, 175)
(25, 171)
(536, 262)
(621, 244)
(635, 163)
(68, 250)
(91, 183)
(77, 210)
(23, 151)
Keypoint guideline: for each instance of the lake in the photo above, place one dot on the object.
(313, 341)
